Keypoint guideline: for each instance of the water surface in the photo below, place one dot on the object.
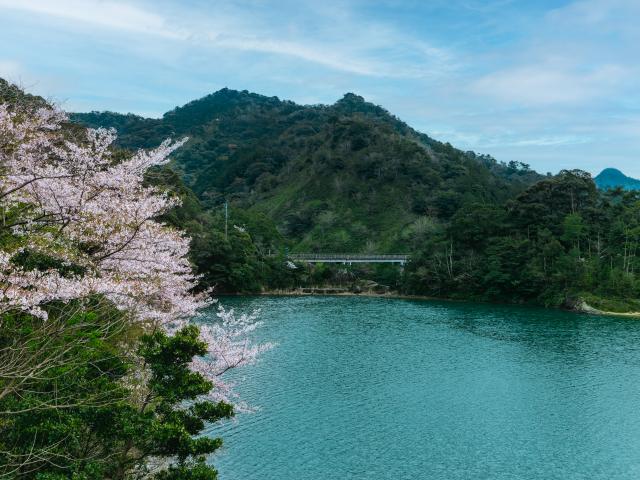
(370, 388)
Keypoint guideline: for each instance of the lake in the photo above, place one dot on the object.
(374, 388)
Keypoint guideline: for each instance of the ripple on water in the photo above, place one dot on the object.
(362, 388)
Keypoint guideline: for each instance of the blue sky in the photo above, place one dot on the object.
(552, 83)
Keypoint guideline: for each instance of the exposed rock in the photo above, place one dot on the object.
(578, 304)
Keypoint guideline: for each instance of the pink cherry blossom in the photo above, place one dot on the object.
(65, 195)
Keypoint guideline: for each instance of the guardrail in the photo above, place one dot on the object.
(349, 258)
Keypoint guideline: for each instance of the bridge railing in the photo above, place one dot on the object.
(348, 257)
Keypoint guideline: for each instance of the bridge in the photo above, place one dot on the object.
(348, 258)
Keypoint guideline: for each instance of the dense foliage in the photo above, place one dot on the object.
(556, 243)
(343, 177)
(79, 418)
(102, 374)
(242, 253)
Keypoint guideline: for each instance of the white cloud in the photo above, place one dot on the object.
(546, 141)
(540, 85)
(351, 49)
(489, 140)
(597, 12)
(108, 14)
(305, 52)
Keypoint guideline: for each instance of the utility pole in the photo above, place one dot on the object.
(226, 220)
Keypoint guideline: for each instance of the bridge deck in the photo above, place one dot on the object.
(348, 258)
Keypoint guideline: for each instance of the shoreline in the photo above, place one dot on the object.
(583, 307)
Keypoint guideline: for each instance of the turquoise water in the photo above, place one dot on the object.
(370, 388)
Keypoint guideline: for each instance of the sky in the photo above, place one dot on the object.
(552, 83)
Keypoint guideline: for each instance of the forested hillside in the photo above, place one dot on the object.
(559, 242)
(352, 177)
(343, 177)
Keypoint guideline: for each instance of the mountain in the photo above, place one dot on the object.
(343, 177)
(611, 178)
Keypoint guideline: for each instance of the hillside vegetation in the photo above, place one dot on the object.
(344, 177)
(352, 177)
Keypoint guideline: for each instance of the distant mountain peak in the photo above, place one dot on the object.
(612, 178)
(612, 171)
(350, 97)
(352, 103)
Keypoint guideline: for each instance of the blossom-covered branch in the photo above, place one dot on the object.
(90, 213)
(82, 207)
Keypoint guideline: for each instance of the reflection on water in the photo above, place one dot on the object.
(364, 388)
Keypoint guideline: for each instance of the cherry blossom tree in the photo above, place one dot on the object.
(80, 239)
(66, 197)
(75, 203)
